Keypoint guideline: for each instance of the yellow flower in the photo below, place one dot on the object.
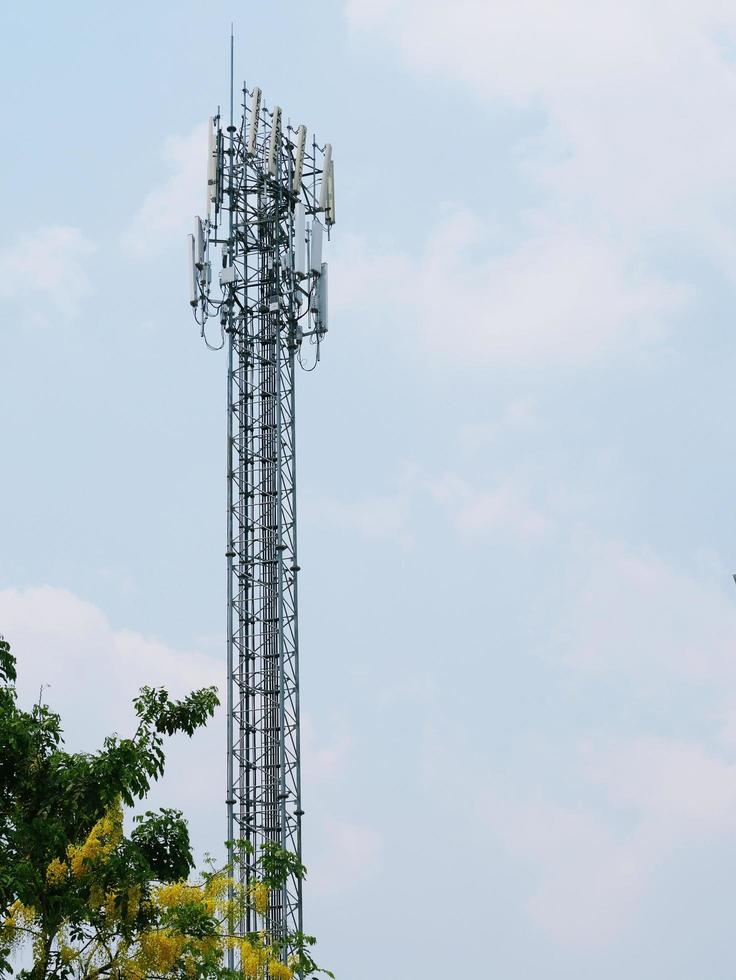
(216, 885)
(179, 893)
(134, 902)
(161, 950)
(208, 944)
(8, 929)
(111, 907)
(56, 872)
(280, 971)
(67, 954)
(96, 896)
(253, 960)
(22, 915)
(259, 896)
(132, 971)
(100, 843)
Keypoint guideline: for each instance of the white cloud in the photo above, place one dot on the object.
(595, 840)
(69, 645)
(521, 48)
(589, 871)
(409, 689)
(350, 855)
(502, 508)
(631, 153)
(562, 296)
(325, 750)
(634, 615)
(585, 880)
(680, 790)
(374, 516)
(90, 673)
(635, 94)
(168, 210)
(634, 618)
(45, 271)
(518, 416)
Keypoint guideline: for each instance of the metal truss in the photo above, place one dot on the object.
(264, 183)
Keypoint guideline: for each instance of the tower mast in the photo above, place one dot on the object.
(270, 198)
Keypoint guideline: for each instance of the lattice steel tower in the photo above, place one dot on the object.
(270, 199)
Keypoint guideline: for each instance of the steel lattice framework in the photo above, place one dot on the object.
(270, 195)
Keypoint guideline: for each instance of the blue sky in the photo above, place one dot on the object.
(515, 460)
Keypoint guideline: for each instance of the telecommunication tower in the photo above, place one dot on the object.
(256, 269)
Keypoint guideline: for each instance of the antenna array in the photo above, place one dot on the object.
(270, 199)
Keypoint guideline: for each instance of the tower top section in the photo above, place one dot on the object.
(270, 190)
(283, 156)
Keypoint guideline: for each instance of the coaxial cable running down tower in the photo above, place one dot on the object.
(270, 203)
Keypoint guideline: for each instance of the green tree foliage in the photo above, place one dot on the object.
(90, 901)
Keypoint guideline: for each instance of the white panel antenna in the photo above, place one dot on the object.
(273, 145)
(331, 194)
(199, 241)
(315, 254)
(211, 165)
(300, 241)
(193, 291)
(325, 178)
(255, 118)
(301, 139)
(322, 299)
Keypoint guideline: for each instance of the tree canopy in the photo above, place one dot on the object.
(89, 900)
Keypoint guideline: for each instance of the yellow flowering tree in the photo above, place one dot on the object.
(123, 925)
(89, 901)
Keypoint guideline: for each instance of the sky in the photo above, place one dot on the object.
(516, 467)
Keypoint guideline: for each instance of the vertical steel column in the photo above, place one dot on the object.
(263, 756)
(261, 308)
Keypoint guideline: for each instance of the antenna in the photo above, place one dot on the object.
(331, 194)
(301, 139)
(212, 163)
(300, 241)
(232, 72)
(270, 301)
(325, 178)
(275, 141)
(199, 242)
(322, 299)
(315, 253)
(255, 117)
(192, 274)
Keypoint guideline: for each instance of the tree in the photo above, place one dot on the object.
(93, 902)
